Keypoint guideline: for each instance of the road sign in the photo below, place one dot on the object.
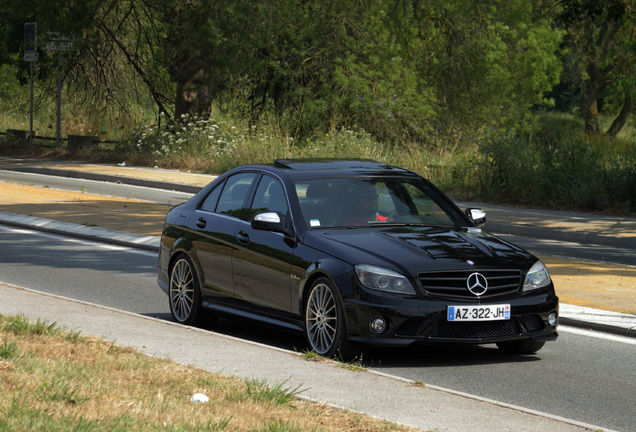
(58, 45)
(59, 36)
(30, 37)
(56, 41)
(31, 56)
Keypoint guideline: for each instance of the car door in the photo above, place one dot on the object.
(215, 223)
(262, 260)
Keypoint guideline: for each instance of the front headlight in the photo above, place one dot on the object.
(537, 277)
(381, 279)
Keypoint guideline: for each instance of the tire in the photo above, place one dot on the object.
(184, 293)
(520, 346)
(325, 327)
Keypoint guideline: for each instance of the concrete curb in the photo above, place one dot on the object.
(101, 235)
(594, 319)
(179, 187)
(578, 322)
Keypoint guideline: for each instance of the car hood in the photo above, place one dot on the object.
(411, 250)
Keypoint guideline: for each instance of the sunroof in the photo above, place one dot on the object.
(328, 163)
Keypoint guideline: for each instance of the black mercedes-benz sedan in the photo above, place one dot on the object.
(352, 253)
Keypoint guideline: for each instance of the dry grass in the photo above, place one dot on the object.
(52, 380)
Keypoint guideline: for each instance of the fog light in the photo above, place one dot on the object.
(553, 319)
(378, 325)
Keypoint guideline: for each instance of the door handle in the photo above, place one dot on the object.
(243, 237)
(201, 223)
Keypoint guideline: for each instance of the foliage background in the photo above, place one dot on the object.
(521, 102)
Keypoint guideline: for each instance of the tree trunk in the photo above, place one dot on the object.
(193, 97)
(620, 121)
(590, 100)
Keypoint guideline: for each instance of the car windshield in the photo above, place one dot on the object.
(358, 202)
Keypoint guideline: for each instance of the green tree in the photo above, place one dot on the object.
(399, 70)
(120, 59)
(51, 16)
(488, 61)
(321, 65)
(601, 58)
(113, 62)
(195, 50)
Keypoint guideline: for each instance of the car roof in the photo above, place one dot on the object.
(326, 166)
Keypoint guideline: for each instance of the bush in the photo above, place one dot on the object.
(551, 165)
(559, 168)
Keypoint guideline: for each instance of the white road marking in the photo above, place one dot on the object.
(597, 335)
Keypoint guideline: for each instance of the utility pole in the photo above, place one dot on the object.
(59, 42)
(31, 56)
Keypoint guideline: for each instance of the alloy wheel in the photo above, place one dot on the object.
(321, 318)
(182, 291)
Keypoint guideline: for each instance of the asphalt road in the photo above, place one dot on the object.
(604, 254)
(121, 278)
(579, 377)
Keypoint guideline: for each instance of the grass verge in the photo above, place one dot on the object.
(56, 380)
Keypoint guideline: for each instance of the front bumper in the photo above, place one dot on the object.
(425, 321)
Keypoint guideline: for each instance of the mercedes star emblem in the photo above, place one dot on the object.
(477, 284)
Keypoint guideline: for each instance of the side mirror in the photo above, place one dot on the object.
(477, 216)
(270, 221)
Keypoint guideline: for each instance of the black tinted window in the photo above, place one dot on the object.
(270, 196)
(209, 203)
(232, 199)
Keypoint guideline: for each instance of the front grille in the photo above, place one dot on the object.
(453, 284)
(476, 329)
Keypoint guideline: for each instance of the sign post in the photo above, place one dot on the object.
(59, 42)
(31, 55)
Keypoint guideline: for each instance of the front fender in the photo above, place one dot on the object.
(313, 265)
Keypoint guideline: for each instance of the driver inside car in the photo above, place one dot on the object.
(361, 205)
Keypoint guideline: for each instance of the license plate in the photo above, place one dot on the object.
(479, 313)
